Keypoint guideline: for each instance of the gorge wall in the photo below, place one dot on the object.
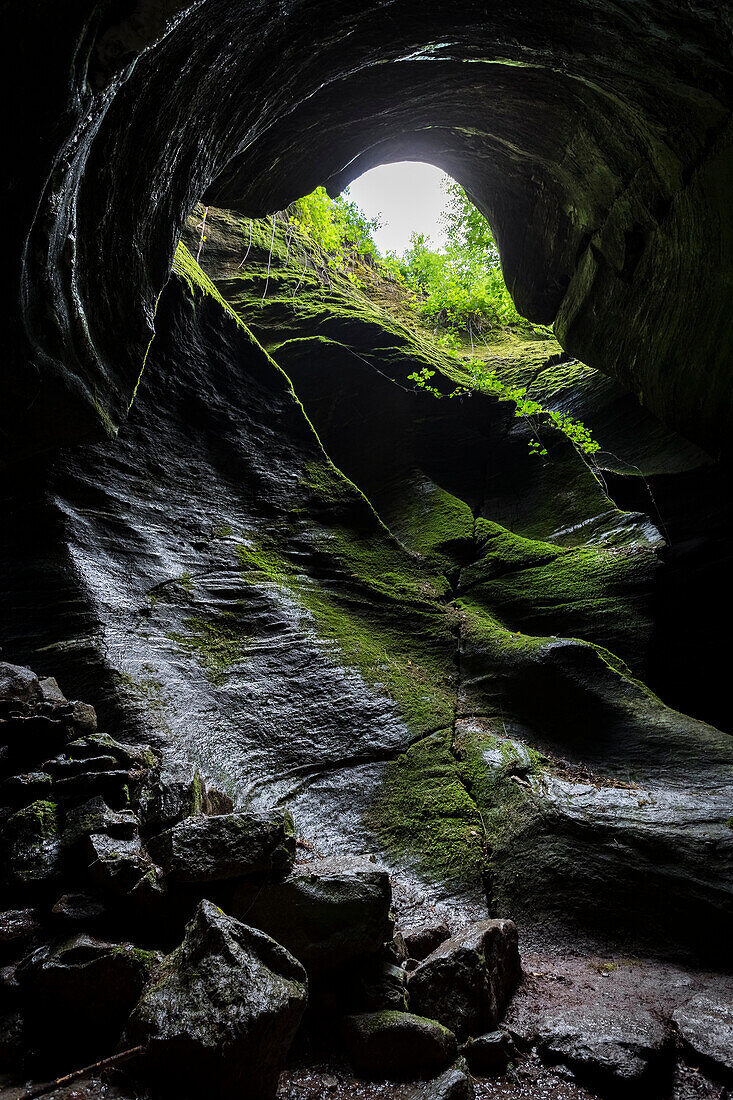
(291, 582)
(596, 137)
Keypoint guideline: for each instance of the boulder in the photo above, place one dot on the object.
(134, 757)
(228, 846)
(705, 1026)
(628, 1054)
(50, 691)
(78, 908)
(325, 913)
(378, 984)
(397, 1045)
(29, 740)
(466, 982)
(19, 684)
(487, 1054)
(222, 1011)
(95, 816)
(80, 994)
(423, 939)
(31, 844)
(122, 866)
(167, 799)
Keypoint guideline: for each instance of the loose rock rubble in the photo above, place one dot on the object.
(143, 911)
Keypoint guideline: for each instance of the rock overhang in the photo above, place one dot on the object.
(595, 137)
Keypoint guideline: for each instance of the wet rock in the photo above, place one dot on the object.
(31, 844)
(628, 1053)
(465, 983)
(379, 984)
(397, 1045)
(453, 1084)
(78, 908)
(32, 739)
(95, 816)
(220, 1016)
(51, 692)
(122, 866)
(19, 684)
(102, 744)
(325, 913)
(397, 949)
(19, 790)
(487, 1054)
(211, 849)
(17, 926)
(81, 993)
(113, 786)
(423, 939)
(167, 799)
(82, 716)
(705, 1026)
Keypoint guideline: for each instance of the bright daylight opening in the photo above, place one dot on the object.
(406, 198)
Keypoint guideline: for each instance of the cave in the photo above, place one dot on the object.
(343, 738)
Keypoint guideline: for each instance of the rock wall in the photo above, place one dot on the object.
(435, 658)
(595, 136)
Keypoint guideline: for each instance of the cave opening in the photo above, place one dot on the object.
(326, 676)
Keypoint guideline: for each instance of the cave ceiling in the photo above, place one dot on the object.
(595, 136)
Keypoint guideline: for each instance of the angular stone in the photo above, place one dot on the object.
(238, 845)
(95, 816)
(466, 982)
(222, 1011)
(166, 800)
(112, 786)
(453, 1084)
(487, 1054)
(31, 739)
(51, 692)
(705, 1026)
(325, 913)
(81, 994)
(78, 908)
(121, 865)
(423, 939)
(101, 744)
(397, 1045)
(379, 984)
(19, 683)
(31, 843)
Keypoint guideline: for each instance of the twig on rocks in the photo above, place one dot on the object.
(75, 1075)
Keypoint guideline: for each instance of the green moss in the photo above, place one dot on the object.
(217, 643)
(186, 582)
(198, 282)
(424, 810)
